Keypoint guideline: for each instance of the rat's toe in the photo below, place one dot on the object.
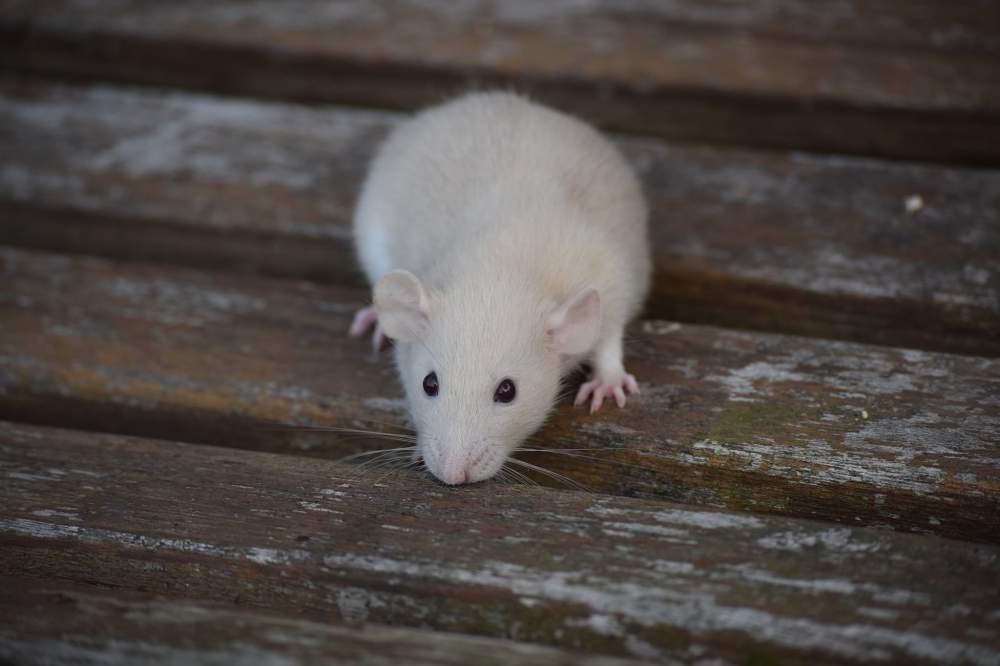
(586, 389)
(363, 320)
(379, 339)
(598, 399)
(618, 387)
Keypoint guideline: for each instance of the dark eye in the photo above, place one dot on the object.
(431, 384)
(505, 391)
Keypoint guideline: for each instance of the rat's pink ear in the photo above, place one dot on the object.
(402, 306)
(573, 327)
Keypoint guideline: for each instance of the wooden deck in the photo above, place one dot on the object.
(811, 474)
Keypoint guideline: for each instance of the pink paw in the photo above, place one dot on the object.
(364, 320)
(618, 385)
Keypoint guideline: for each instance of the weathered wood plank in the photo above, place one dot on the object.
(904, 78)
(605, 575)
(53, 622)
(814, 246)
(844, 432)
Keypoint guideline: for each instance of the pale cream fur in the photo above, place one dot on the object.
(503, 210)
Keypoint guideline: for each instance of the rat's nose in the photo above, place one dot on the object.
(453, 470)
(455, 476)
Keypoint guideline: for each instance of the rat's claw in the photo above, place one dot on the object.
(597, 389)
(379, 341)
(585, 390)
(364, 319)
(598, 400)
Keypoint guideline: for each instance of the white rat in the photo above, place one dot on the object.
(507, 244)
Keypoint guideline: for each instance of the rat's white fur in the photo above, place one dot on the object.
(486, 225)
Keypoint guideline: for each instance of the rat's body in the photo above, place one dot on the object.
(506, 241)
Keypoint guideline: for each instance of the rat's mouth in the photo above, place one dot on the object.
(458, 472)
(459, 478)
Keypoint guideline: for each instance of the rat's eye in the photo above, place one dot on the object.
(431, 384)
(505, 392)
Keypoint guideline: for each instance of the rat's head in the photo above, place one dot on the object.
(480, 365)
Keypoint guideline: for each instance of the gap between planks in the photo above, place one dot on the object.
(803, 244)
(911, 80)
(844, 432)
(605, 575)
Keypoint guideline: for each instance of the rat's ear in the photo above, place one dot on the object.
(573, 327)
(402, 306)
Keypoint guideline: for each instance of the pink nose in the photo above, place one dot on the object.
(454, 476)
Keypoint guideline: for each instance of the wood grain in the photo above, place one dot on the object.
(44, 621)
(818, 246)
(312, 539)
(900, 78)
(844, 432)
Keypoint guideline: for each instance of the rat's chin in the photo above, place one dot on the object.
(458, 477)
(482, 475)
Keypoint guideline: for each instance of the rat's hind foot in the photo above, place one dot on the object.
(616, 384)
(364, 319)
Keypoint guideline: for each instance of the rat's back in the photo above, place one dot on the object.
(491, 165)
(507, 244)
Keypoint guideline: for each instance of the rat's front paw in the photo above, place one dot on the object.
(617, 384)
(365, 319)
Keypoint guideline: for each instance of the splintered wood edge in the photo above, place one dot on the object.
(839, 431)
(606, 575)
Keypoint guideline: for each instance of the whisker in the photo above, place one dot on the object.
(389, 461)
(386, 457)
(521, 477)
(573, 453)
(502, 477)
(392, 471)
(402, 436)
(310, 426)
(382, 460)
(373, 433)
(554, 475)
(558, 450)
(564, 394)
(386, 424)
(364, 454)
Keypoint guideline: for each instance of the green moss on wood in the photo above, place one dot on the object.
(743, 420)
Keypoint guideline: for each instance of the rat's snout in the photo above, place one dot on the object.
(455, 476)
(460, 468)
(450, 464)
(453, 468)
(456, 458)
